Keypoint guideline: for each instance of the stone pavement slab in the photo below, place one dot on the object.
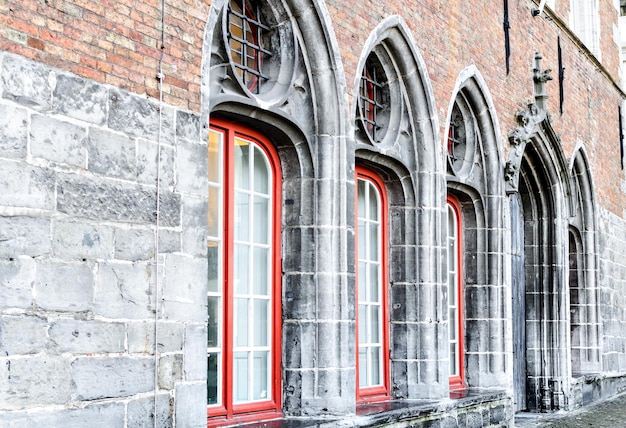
(605, 414)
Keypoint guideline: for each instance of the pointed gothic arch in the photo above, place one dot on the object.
(407, 155)
(475, 178)
(585, 322)
(301, 109)
(540, 208)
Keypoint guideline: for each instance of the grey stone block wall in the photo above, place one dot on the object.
(612, 282)
(84, 288)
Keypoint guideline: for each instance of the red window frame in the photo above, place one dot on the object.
(382, 392)
(458, 381)
(228, 413)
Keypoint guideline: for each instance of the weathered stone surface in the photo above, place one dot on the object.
(194, 236)
(22, 335)
(125, 290)
(58, 141)
(139, 117)
(29, 83)
(192, 168)
(111, 154)
(34, 381)
(184, 289)
(24, 236)
(94, 416)
(108, 377)
(141, 412)
(80, 99)
(79, 240)
(87, 337)
(134, 244)
(26, 186)
(96, 199)
(141, 337)
(170, 370)
(188, 125)
(195, 352)
(147, 163)
(191, 405)
(17, 276)
(13, 131)
(64, 286)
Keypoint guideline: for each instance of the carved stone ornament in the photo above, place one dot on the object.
(528, 121)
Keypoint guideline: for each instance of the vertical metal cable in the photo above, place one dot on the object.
(157, 303)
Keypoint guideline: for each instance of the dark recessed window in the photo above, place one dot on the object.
(456, 137)
(622, 8)
(373, 96)
(246, 41)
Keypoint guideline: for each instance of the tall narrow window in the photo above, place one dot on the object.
(372, 328)
(455, 296)
(244, 307)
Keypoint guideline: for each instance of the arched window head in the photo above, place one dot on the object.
(248, 38)
(374, 99)
(462, 138)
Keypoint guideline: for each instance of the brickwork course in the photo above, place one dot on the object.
(105, 216)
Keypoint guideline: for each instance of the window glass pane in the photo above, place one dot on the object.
(242, 216)
(214, 211)
(361, 198)
(362, 240)
(241, 322)
(362, 280)
(242, 161)
(213, 321)
(213, 379)
(240, 377)
(261, 220)
(261, 172)
(215, 143)
(261, 375)
(374, 284)
(375, 366)
(261, 322)
(241, 268)
(363, 381)
(363, 324)
(453, 370)
(213, 262)
(373, 203)
(374, 249)
(375, 324)
(261, 271)
(452, 325)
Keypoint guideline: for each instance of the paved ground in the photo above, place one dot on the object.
(607, 414)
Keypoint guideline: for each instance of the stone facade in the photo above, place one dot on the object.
(105, 217)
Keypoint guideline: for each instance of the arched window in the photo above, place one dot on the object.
(455, 295)
(372, 316)
(244, 303)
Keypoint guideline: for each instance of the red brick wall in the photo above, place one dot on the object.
(118, 42)
(113, 41)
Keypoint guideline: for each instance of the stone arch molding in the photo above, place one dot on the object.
(478, 186)
(414, 119)
(310, 85)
